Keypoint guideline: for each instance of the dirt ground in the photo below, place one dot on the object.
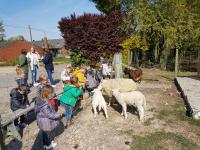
(165, 125)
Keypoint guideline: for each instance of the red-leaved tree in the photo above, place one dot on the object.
(93, 34)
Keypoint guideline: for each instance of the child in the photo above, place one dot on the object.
(69, 98)
(106, 73)
(47, 118)
(20, 75)
(66, 73)
(79, 72)
(43, 80)
(91, 80)
(19, 100)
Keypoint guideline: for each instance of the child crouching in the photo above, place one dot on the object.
(19, 100)
(69, 98)
(47, 118)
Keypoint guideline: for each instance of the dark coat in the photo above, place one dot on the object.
(18, 100)
(47, 118)
(48, 61)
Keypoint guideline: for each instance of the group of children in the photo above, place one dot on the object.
(75, 82)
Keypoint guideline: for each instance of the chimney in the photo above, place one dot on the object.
(46, 45)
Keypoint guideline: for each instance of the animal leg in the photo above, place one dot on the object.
(105, 111)
(141, 113)
(124, 108)
(95, 111)
(109, 101)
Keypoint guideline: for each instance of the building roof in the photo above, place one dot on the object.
(4, 43)
(53, 43)
(13, 49)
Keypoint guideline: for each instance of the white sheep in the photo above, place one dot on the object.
(124, 85)
(99, 101)
(134, 98)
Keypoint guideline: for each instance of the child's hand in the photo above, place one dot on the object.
(62, 115)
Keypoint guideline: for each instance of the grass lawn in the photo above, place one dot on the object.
(61, 60)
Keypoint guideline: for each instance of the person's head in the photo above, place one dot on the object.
(22, 88)
(74, 80)
(32, 49)
(69, 65)
(69, 71)
(43, 79)
(23, 51)
(46, 92)
(78, 66)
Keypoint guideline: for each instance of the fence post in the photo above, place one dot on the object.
(176, 63)
(118, 65)
(198, 64)
(1, 137)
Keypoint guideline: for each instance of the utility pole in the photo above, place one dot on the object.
(29, 27)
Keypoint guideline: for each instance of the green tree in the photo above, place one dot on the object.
(107, 6)
(165, 24)
(2, 35)
(17, 38)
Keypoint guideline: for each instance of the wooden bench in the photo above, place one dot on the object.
(7, 123)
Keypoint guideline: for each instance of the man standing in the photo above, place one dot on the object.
(23, 64)
(33, 59)
(48, 61)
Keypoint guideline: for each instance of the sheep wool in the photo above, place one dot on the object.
(99, 101)
(124, 85)
(134, 98)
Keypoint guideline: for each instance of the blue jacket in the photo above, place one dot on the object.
(48, 61)
(46, 117)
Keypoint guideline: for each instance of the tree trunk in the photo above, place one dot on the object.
(156, 53)
(176, 63)
(136, 59)
(163, 59)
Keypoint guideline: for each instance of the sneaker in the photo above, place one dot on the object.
(53, 86)
(52, 145)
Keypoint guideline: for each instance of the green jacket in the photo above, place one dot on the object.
(70, 95)
(23, 62)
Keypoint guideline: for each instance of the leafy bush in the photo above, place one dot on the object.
(93, 35)
(10, 63)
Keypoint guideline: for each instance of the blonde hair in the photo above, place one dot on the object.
(43, 77)
(22, 88)
(20, 72)
(46, 92)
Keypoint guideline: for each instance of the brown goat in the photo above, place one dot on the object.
(136, 75)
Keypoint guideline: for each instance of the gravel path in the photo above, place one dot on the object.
(114, 133)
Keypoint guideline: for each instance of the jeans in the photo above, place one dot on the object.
(26, 78)
(68, 111)
(49, 73)
(46, 137)
(20, 81)
(34, 73)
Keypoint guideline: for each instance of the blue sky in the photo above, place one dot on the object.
(40, 14)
